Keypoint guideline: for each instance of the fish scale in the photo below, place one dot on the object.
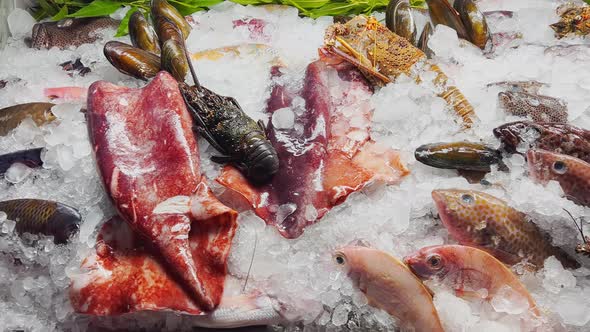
(507, 234)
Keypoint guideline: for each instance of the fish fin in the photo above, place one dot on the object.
(472, 176)
(467, 281)
(503, 256)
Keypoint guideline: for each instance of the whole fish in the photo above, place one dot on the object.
(481, 220)
(540, 108)
(458, 155)
(391, 286)
(555, 137)
(38, 216)
(30, 158)
(468, 270)
(573, 174)
(11, 117)
(69, 32)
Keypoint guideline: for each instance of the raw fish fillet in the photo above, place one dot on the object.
(325, 156)
(148, 158)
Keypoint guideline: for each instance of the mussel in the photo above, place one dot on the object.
(474, 22)
(131, 60)
(174, 59)
(161, 8)
(464, 17)
(441, 12)
(142, 34)
(399, 18)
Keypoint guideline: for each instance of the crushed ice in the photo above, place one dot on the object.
(34, 273)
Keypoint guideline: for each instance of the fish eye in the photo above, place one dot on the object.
(559, 167)
(340, 260)
(434, 261)
(466, 198)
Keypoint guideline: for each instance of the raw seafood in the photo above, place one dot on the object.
(148, 159)
(69, 32)
(30, 158)
(555, 137)
(115, 276)
(573, 174)
(382, 56)
(327, 159)
(481, 220)
(540, 108)
(11, 117)
(38, 216)
(468, 270)
(458, 155)
(391, 286)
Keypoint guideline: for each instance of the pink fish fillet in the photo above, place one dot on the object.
(147, 156)
(330, 156)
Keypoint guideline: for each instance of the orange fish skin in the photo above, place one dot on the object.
(481, 220)
(468, 270)
(573, 174)
(391, 286)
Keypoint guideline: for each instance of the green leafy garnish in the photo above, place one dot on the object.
(59, 9)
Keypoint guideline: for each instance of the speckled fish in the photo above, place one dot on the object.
(540, 108)
(458, 155)
(468, 270)
(391, 286)
(520, 136)
(30, 158)
(573, 174)
(38, 216)
(69, 32)
(481, 220)
(11, 117)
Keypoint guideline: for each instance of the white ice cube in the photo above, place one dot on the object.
(17, 172)
(20, 23)
(340, 314)
(283, 118)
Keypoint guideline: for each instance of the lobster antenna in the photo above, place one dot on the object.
(190, 66)
(251, 260)
(579, 227)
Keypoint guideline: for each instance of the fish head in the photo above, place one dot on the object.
(462, 212)
(363, 264)
(506, 98)
(430, 263)
(514, 133)
(545, 166)
(40, 37)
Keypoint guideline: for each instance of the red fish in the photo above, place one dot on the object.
(147, 156)
(573, 174)
(66, 93)
(330, 157)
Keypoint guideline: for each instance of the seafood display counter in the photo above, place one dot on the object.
(178, 166)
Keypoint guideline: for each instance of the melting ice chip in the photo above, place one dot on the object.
(556, 277)
(8, 226)
(284, 211)
(340, 314)
(311, 213)
(573, 307)
(17, 173)
(20, 23)
(509, 301)
(283, 118)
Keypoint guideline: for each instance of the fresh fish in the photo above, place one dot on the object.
(467, 270)
(390, 286)
(540, 108)
(573, 174)
(38, 216)
(458, 155)
(69, 32)
(30, 158)
(519, 86)
(481, 220)
(11, 117)
(556, 137)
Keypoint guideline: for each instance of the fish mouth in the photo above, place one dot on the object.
(440, 203)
